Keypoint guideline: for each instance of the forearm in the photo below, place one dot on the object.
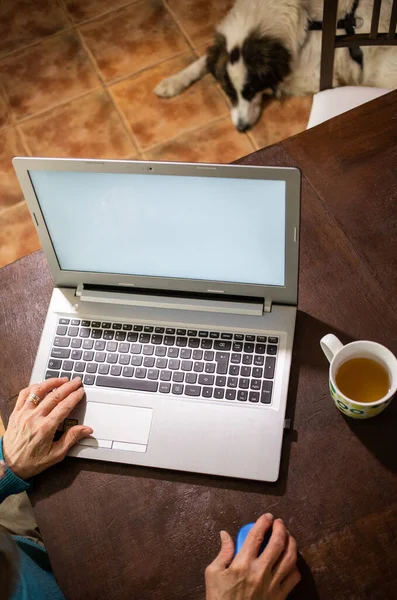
(9, 482)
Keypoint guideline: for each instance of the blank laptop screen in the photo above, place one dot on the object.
(206, 228)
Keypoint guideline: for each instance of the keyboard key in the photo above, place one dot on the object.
(244, 383)
(174, 364)
(148, 361)
(120, 336)
(177, 389)
(269, 367)
(144, 338)
(222, 345)
(140, 372)
(260, 348)
(187, 365)
(96, 324)
(160, 351)
(273, 340)
(79, 367)
(210, 367)
(181, 332)
(76, 343)
(164, 388)
(261, 339)
(247, 359)
(220, 381)
(257, 372)
(148, 350)
(85, 323)
(136, 360)
(65, 374)
(124, 347)
(165, 375)
(250, 338)
(73, 331)
(75, 322)
(192, 332)
(192, 390)
(214, 335)
(205, 379)
(115, 370)
(153, 374)
(51, 374)
(61, 330)
(157, 339)
(203, 334)
(272, 350)
(234, 370)
(198, 367)
(103, 369)
(148, 329)
(91, 368)
(226, 336)
(206, 344)
(169, 340)
(111, 346)
(124, 359)
(161, 363)
(181, 341)
(112, 358)
(222, 359)
(232, 382)
(159, 330)
(87, 344)
(219, 393)
(60, 353)
(132, 337)
(135, 348)
(97, 334)
(55, 363)
(239, 337)
(236, 358)
(245, 371)
(76, 354)
(253, 397)
(170, 331)
(242, 395)
(100, 356)
(191, 378)
(194, 342)
(128, 371)
(207, 392)
(64, 321)
(127, 327)
(138, 327)
(209, 356)
(127, 384)
(187, 353)
(255, 384)
(88, 355)
(173, 352)
(67, 365)
(237, 347)
(266, 396)
(106, 325)
(230, 394)
(116, 326)
(178, 377)
(84, 332)
(248, 347)
(259, 361)
(62, 342)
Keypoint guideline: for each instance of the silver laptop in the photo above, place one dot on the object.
(175, 301)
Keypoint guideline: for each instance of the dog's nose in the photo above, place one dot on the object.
(243, 126)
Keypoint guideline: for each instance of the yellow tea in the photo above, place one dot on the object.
(363, 380)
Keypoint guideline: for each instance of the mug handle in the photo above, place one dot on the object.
(330, 345)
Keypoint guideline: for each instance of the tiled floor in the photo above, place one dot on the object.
(77, 79)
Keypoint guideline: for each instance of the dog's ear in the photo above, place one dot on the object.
(217, 56)
(266, 57)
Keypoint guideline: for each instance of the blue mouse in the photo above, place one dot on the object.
(242, 534)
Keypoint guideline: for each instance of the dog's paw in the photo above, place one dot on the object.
(168, 88)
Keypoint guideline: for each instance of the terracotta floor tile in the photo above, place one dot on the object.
(81, 10)
(4, 112)
(156, 120)
(87, 127)
(24, 22)
(47, 74)
(133, 38)
(282, 119)
(200, 17)
(10, 146)
(219, 142)
(18, 236)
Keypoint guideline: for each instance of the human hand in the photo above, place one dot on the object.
(270, 576)
(28, 445)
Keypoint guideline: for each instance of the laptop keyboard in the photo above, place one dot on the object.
(166, 360)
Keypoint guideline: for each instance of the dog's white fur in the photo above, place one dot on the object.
(287, 21)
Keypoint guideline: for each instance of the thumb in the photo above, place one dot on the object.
(226, 552)
(70, 438)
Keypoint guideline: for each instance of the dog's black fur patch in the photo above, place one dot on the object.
(235, 54)
(267, 61)
(217, 59)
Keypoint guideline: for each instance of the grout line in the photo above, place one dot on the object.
(6, 208)
(252, 139)
(103, 14)
(66, 12)
(124, 121)
(23, 140)
(179, 24)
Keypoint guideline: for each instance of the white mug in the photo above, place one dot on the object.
(337, 354)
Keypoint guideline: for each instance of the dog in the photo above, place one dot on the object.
(271, 47)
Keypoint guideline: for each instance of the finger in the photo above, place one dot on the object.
(292, 579)
(226, 553)
(40, 389)
(65, 407)
(287, 561)
(276, 545)
(68, 440)
(57, 395)
(255, 537)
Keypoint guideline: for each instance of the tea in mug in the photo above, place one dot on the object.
(363, 380)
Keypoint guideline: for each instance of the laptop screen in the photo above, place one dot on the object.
(205, 228)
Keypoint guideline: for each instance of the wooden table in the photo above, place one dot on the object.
(117, 531)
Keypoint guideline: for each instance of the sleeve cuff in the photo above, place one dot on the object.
(10, 483)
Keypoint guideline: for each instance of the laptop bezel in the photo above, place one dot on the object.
(286, 294)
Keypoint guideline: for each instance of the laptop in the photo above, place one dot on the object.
(175, 296)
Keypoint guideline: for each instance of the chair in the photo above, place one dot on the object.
(330, 102)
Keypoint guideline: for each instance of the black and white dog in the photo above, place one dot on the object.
(271, 46)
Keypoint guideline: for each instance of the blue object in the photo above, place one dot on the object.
(242, 534)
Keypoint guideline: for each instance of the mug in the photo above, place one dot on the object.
(337, 354)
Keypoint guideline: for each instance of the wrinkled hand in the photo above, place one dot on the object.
(270, 576)
(28, 445)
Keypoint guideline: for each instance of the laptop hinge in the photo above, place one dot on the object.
(172, 302)
(267, 306)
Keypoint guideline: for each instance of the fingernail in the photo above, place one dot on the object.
(224, 536)
(269, 515)
(64, 378)
(88, 430)
(77, 379)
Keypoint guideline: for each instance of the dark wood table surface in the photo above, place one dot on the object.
(118, 531)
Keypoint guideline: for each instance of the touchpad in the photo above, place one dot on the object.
(118, 422)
